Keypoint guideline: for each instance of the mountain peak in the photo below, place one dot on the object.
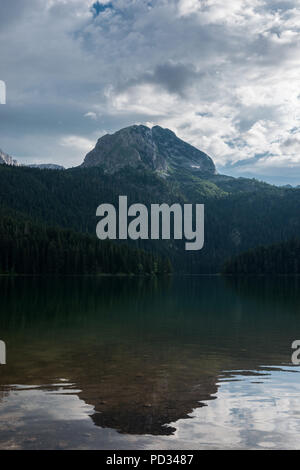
(156, 149)
(7, 159)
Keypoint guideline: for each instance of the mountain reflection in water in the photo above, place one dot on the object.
(148, 361)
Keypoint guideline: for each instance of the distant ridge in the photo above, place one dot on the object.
(6, 159)
(47, 166)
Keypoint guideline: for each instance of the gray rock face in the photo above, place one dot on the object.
(7, 160)
(156, 149)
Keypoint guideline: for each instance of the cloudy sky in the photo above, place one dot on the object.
(223, 75)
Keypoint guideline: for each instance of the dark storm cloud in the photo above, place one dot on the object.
(174, 78)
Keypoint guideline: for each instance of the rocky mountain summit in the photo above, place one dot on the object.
(156, 149)
(7, 159)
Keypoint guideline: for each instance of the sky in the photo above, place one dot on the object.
(223, 75)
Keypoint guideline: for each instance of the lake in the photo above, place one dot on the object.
(138, 363)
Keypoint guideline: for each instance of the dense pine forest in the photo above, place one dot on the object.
(240, 214)
(34, 249)
(281, 258)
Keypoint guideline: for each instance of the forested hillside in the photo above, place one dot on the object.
(281, 258)
(31, 248)
(240, 214)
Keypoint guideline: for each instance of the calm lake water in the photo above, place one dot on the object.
(172, 363)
